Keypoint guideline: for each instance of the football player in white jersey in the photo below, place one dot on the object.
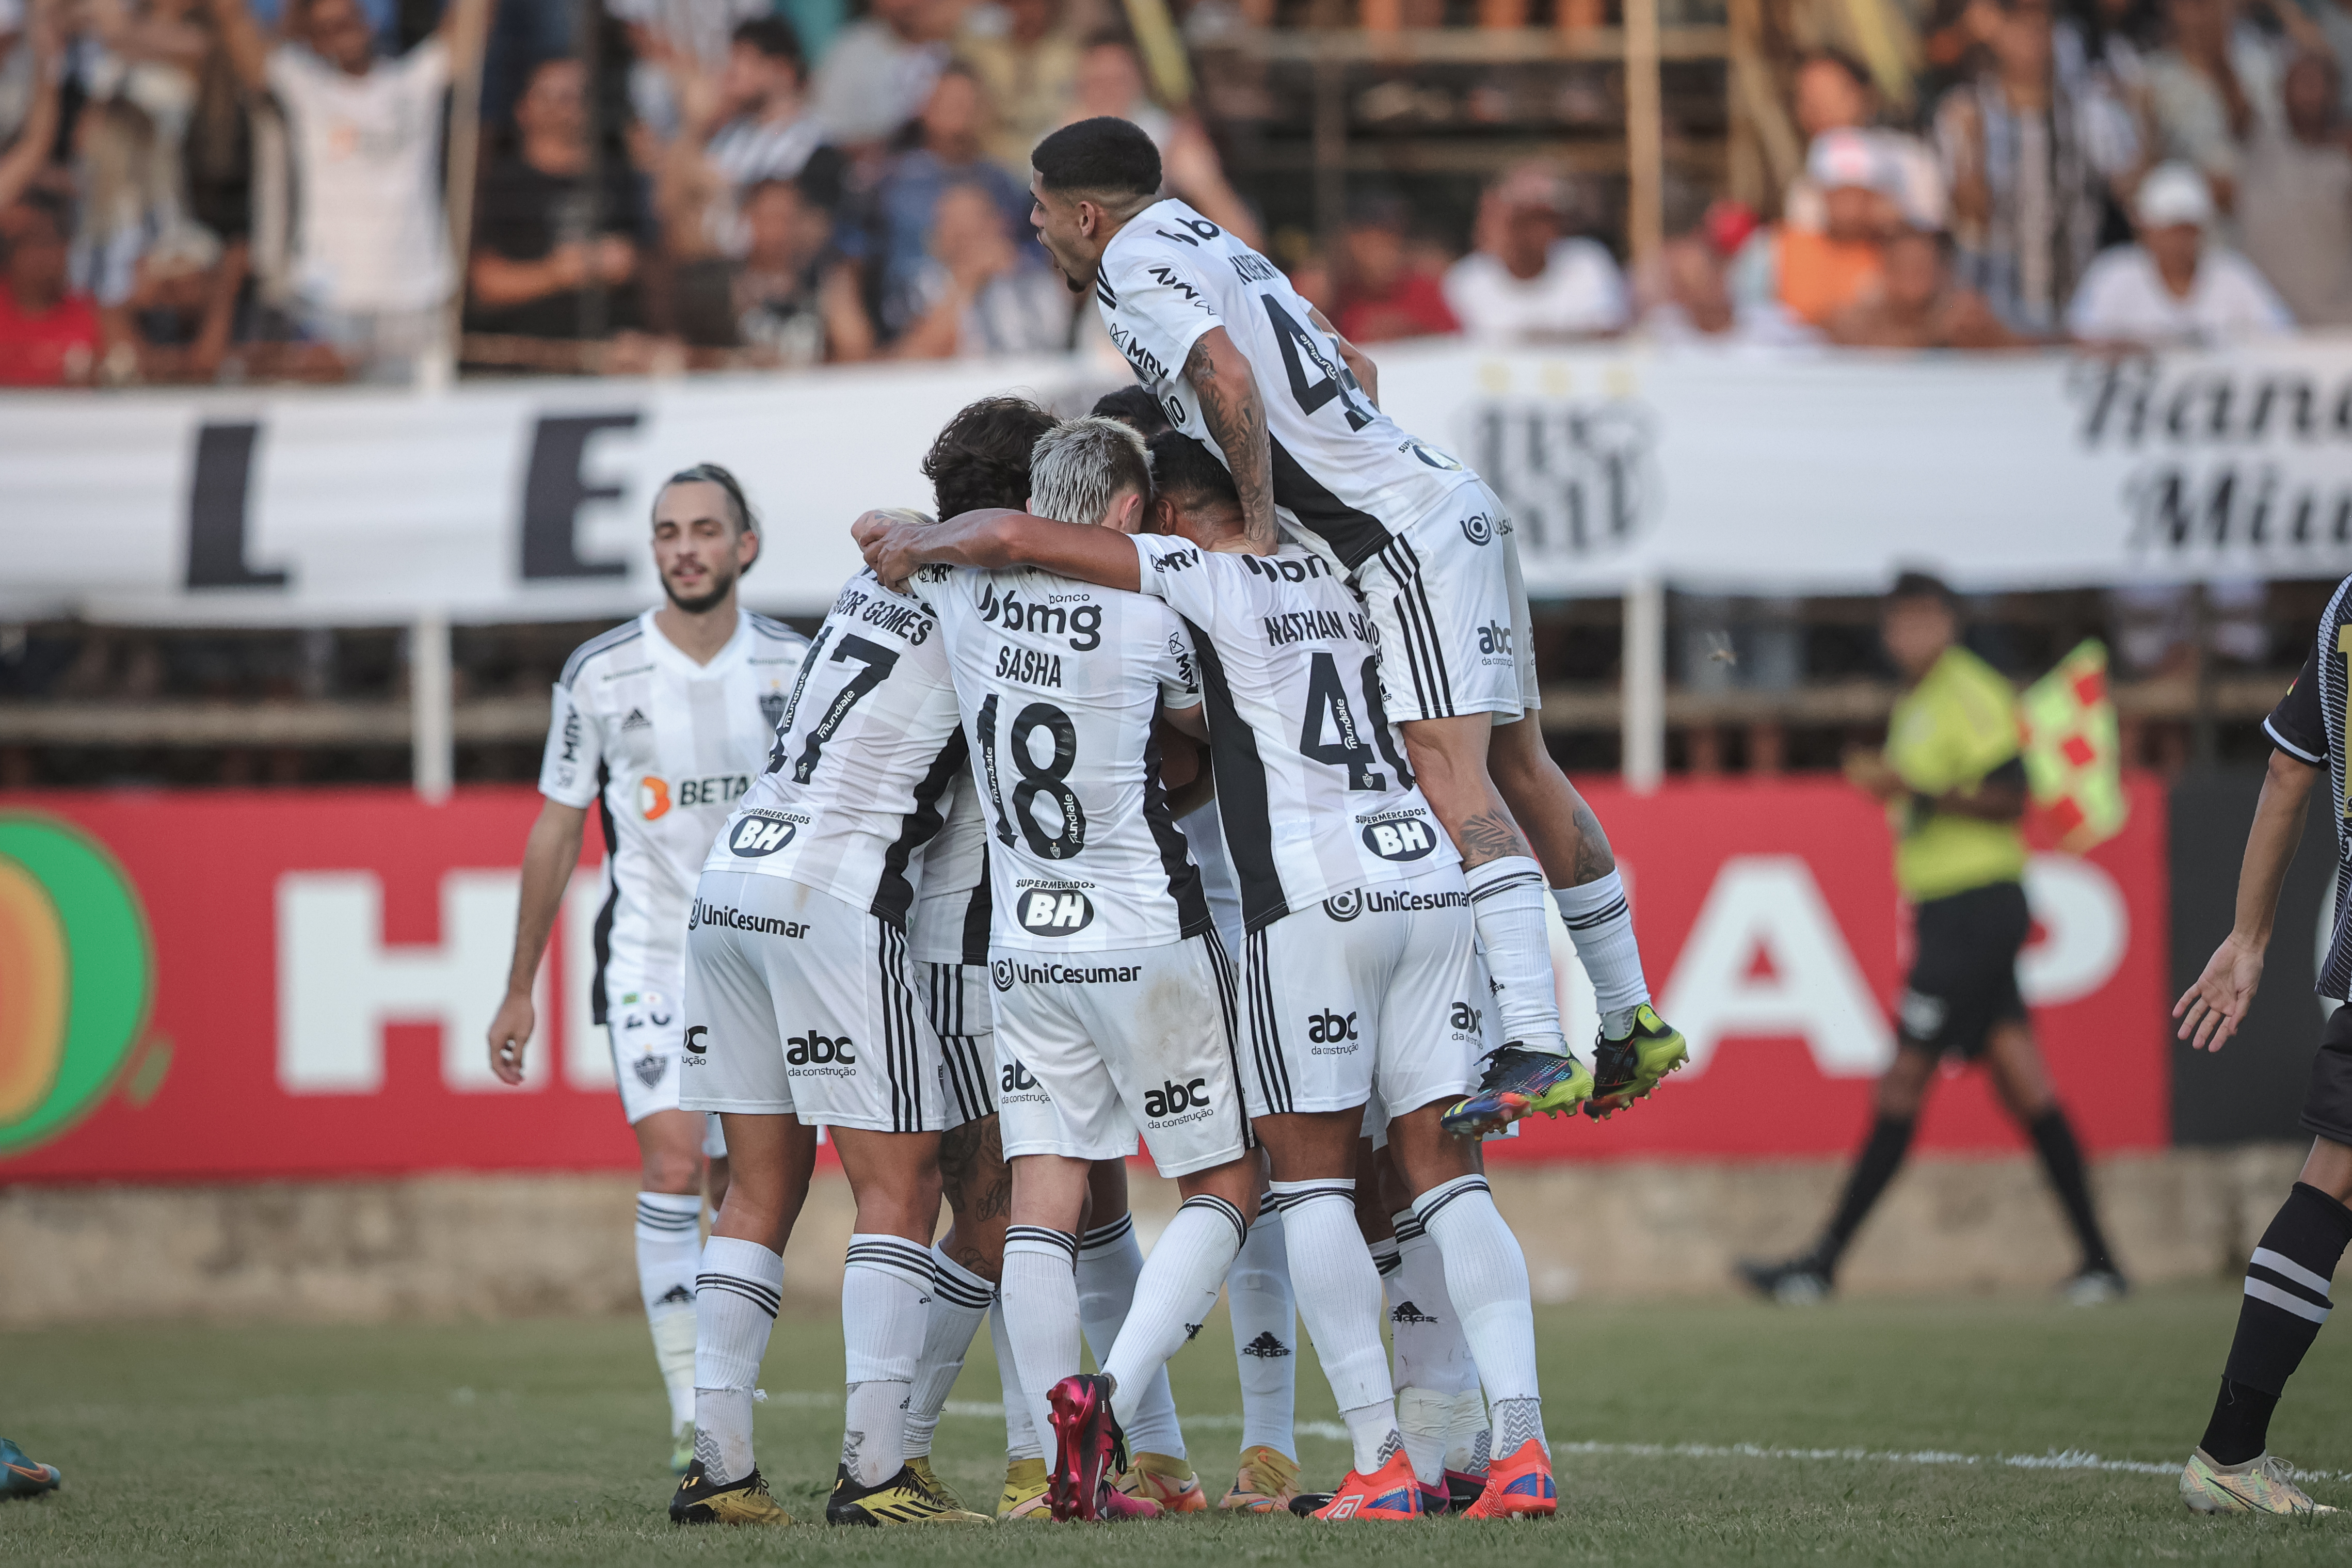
(801, 1013)
(1113, 995)
(661, 725)
(1217, 335)
(1361, 968)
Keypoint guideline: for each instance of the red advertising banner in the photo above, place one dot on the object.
(235, 984)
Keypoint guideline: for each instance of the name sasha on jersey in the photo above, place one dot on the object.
(1028, 666)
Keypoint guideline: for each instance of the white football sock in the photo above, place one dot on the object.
(1041, 1316)
(886, 1298)
(1431, 1352)
(1173, 1296)
(1266, 1336)
(1506, 899)
(1422, 1419)
(669, 1244)
(1486, 1275)
(960, 1300)
(735, 1301)
(1340, 1296)
(1601, 923)
(1109, 1262)
(1020, 1432)
(1469, 1440)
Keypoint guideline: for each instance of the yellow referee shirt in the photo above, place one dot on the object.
(1949, 731)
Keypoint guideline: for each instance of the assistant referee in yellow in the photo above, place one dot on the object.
(1953, 779)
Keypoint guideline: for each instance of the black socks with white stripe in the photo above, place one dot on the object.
(2287, 1297)
(735, 1300)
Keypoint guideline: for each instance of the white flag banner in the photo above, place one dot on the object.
(1732, 473)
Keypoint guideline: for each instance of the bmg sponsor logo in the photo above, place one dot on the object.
(1050, 912)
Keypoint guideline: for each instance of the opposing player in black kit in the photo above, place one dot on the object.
(1360, 958)
(2289, 1280)
(1217, 336)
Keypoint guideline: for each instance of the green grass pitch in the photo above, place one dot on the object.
(543, 1442)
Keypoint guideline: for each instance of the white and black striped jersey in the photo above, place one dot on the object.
(664, 747)
(1060, 682)
(951, 906)
(1312, 786)
(2308, 725)
(1342, 469)
(854, 787)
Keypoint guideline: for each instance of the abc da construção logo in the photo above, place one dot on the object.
(76, 975)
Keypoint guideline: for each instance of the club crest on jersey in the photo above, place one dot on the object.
(1048, 911)
(1404, 838)
(771, 707)
(761, 833)
(650, 1068)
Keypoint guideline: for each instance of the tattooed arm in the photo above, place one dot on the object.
(1235, 415)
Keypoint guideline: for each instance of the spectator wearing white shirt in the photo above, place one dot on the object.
(372, 272)
(2174, 289)
(881, 69)
(1528, 282)
(2294, 199)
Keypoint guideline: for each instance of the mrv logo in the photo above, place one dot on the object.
(1050, 912)
(1170, 1098)
(1407, 838)
(1577, 481)
(801, 1050)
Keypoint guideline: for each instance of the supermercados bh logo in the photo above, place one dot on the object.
(77, 976)
(1579, 481)
(2234, 462)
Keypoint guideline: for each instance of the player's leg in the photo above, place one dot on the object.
(2022, 1082)
(2289, 1289)
(1441, 1411)
(1024, 1495)
(714, 1163)
(1110, 1260)
(1263, 1304)
(885, 1290)
(669, 1248)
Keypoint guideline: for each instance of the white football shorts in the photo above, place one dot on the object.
(1094, 1047)
(1455, 634)
(646, 1037)
(956, 1000)
(798, 1004)
(1377, 989)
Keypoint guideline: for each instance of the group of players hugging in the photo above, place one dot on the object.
(1180, 782)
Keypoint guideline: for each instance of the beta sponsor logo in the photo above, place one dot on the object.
(655, 795)
(1172, 1100)
(813, 1049)
(762, 833)
(1080, 623)
(1050, 912)
(726, 917)
(1050, 974)
(1400, 839)
(1331, 1032)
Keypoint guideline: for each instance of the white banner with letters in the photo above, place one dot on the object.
(524, 501)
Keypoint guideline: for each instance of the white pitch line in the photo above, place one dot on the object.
(2064, 1460)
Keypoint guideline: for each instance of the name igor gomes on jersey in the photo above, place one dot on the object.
(1342, 469)
(1312, 786)
(1059, 683)
(854, 786)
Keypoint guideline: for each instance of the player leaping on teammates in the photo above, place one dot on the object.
(1360, 958)
(1217, 335)
(2290, 1277)
(661, 725)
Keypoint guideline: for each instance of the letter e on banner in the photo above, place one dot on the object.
(1806, 984)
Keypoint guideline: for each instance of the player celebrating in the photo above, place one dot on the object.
(1360, 958)
(799, 1014)
(2290, 1276)
(662, 723)
(1217, 335)
(1113, 996)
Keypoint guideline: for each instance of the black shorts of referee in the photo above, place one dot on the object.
(1963, 981)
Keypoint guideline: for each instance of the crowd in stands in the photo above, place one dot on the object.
(199, 190)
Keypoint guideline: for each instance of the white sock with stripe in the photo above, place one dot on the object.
(960, 1300)
(670, 1245)
(1486, 1275)
(1109, 1263)
(1040, 1293)
(1432, 1360)
(1265, 1335)
(1020, 1432)
(886, 1298)
(1600, 922)
(1173, 1296)
(735, 1300)
(1340, 1296)
(1507, 900)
